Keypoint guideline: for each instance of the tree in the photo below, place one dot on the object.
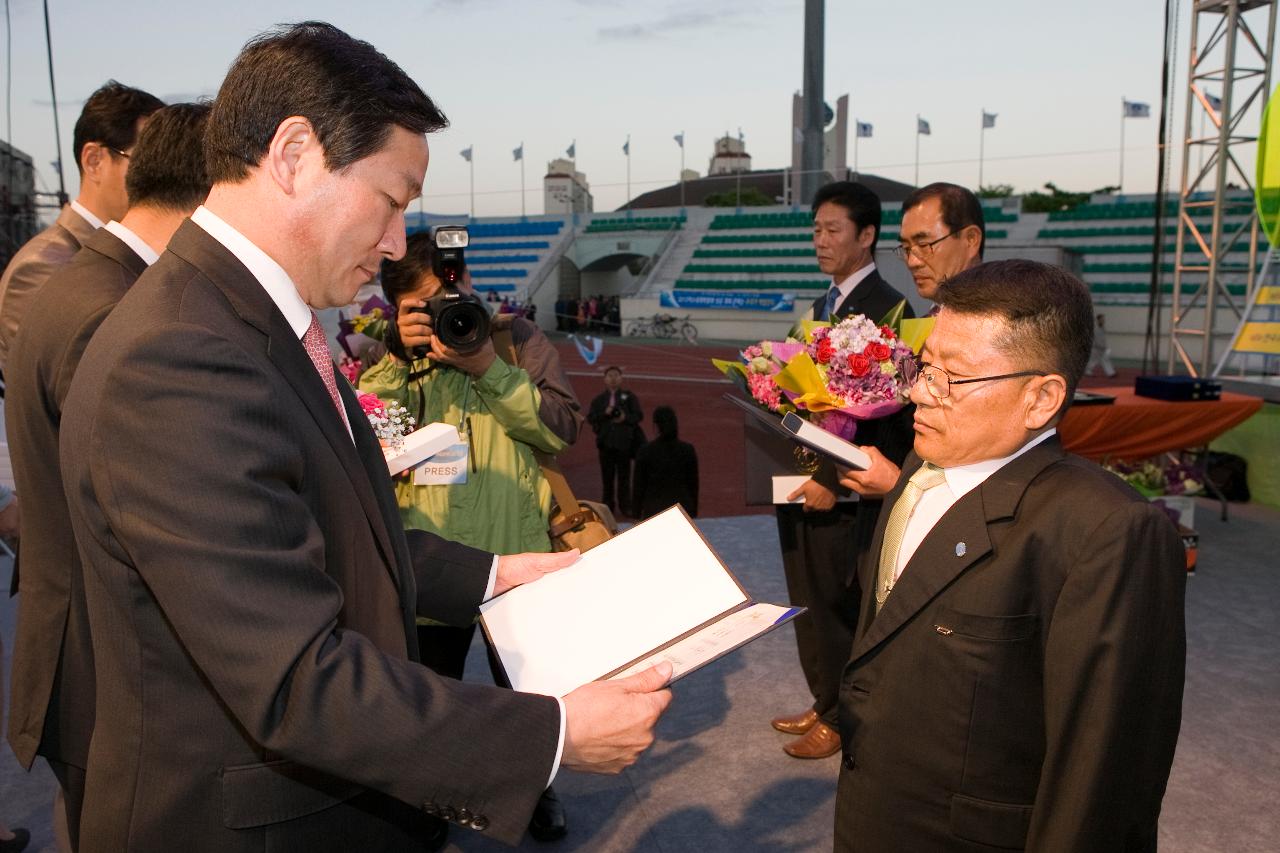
(751, 197)
(995, 191)
(1056, 199)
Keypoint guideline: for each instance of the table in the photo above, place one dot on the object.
(1135, 428)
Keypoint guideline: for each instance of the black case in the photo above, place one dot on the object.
(1177, 388)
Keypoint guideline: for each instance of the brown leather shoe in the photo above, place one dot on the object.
(797, 724)
(819, 742)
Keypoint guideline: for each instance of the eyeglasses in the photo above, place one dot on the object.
(921, 250)
(126, 155)
(939, 383)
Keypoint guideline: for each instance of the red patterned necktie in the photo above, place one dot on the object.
(318, 348)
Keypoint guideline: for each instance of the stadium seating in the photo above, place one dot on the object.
(635, 223)
(509, 246)
(736, 284)
(502, 259)
(499, 273)
(535, 228)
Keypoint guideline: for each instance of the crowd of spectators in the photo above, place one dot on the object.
(599, 314)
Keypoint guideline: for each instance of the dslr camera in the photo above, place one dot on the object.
(460, 320)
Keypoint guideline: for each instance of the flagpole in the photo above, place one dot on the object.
(982, 139)
(472, 165)
(522, 213)
(857, 132)
(1120, 188)
(917, 178)
(682, 173)
(628, 176)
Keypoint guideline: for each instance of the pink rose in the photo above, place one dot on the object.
(371, 404)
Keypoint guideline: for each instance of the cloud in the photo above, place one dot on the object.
(672, 22)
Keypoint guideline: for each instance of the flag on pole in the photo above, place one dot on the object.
(518, 153)
(626, 147)
(1135, 109)
(572, 149)
(864, 129)
(922, 127)
(466, 153)
(988, 119)
(679, 138)
(1214, 101)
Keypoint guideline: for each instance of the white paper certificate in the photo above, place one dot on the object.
(625, 600)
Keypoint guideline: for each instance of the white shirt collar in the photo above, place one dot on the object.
(962, 479)
(133, 241)
(846, 287)
(86, 214)
(274, 280)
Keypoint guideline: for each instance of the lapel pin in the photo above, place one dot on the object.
(960, 549)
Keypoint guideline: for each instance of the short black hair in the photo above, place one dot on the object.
(405, 276)
(352, 95)
(664, 418)
(613, 368)
(960, 208)
(1048, 310)
(167, 167)
(862, 205)
(110, 118)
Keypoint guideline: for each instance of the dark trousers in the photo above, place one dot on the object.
(444, 648)
(819, 557)
(615, 468)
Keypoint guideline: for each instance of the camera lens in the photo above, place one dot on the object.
(463, 325)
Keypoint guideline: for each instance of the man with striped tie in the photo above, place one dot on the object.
(1016, 679)
(821, 539)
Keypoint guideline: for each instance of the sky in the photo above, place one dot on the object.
(550, 72)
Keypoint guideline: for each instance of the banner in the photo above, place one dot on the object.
(1259, 338)
(727, 299)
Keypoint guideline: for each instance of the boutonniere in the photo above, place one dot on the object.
(623, 395)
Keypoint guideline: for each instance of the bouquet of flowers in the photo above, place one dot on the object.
(371, 322)
(835, 375)
(391, 422)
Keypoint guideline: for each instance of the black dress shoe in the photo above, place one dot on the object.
(21, 838)
(548, 822)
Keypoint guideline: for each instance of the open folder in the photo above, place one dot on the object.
(654, 592)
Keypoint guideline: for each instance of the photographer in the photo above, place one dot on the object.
(503, 413)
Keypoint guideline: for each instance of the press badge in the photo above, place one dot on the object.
(446, 468)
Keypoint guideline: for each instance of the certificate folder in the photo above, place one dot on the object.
(654, 592)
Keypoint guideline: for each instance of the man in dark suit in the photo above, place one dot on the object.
(251, 592)
(104, 136)
(821, 539)
(1016, 679)
(615, 415)
(53, 684)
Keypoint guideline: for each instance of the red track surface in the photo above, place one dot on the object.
(683, 378)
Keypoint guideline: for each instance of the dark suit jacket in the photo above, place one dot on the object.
(31, 267)
(53, 692)
(252, 596)
(625, 436)
(666, 473)
(1022, 685)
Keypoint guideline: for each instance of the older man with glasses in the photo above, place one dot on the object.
(1016, 679)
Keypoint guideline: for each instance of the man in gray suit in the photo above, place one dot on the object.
(251, 589)
(53, 684)
(103, 141)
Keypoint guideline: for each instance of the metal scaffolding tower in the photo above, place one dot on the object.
(1228, 53)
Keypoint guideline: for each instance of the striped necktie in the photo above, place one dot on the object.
(829, 309)
(926, 477)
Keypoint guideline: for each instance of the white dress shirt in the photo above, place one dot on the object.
(934, 503)
(86, 214)
(284, 293)
(851, 281)
(133, 241)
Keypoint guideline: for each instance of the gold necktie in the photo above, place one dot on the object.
(926, 477)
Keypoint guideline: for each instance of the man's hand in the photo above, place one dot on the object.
(475, 362)
(609, 723)
(517, 569)
(817, 497)
(10, 520)
(414, 324)
(875, 482)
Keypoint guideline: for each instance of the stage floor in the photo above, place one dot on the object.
(717, 779)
